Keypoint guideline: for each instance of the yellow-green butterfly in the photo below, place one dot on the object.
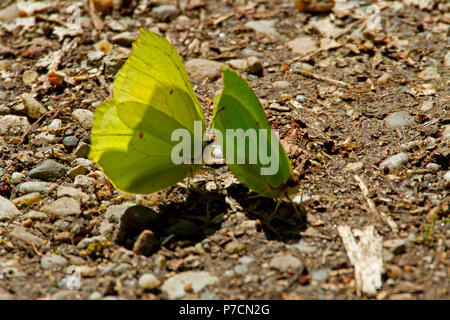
(152, 96)
(238, 108)
(131, 133)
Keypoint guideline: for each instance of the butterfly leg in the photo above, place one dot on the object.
(295, 206)
(276, 208)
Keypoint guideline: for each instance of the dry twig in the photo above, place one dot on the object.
(365, 191)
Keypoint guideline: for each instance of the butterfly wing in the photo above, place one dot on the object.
(238, 108)
(132, 133)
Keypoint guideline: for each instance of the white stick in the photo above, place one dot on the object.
(364, 249)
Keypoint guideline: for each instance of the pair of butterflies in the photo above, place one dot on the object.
(152, 96)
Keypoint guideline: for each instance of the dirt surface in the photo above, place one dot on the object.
(336, 111)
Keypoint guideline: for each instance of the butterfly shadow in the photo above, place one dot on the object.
(285, 225)
(177, 224)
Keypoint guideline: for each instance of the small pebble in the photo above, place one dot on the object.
(282, 85)
(55, 125)
(33, 107)
(78, 170)
(429, 73)
(34, 186)
(47, 170)
(70, 141)
(235, 247)
(84, 117)
(174, 286)
(399, 120)
(396, 246)
(285, 262)
(165, 12)
(263, 26)
(433, 166)
(246, 52)
(355, 166)
(427, 105)
(21, 233)
(303, 247)
(393, 163)
(28, 199)
(82, 150)
(12, 125)
(246, 260)
(7, 210)
(149, 281)
(29, 77)
(320, 275)
(146, 244)
(17, 177)
(64, 206)
(53, 261)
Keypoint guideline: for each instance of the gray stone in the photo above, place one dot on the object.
(148, 281)
(146, 244)
(394, 163)
(303, 247)
(84, 117)
(320, 275)
(396, 246)
(286, 262)
(165, 12)
(426, 105)
(70, 141)
(174, 286)
(199, 69)
(7, 210)
(399, 120)
(250, 53)
(43, 139)
(21, 233)
(254, 65)
(12, 125)
(84, 182)
(241, 269)
(263, 26)
(64, 206)
(83, 244)
(246, 260)
(34, 215)
(33, 107)
(303, 45)
(282, 85)
(82, 162)
(124, 38)
(53, 261)
(47, 170)
(55, 125)
(17, 177)
(34, 186)
(82, 151)
(114, 213)
(429, 73)
(75, 193)
(355, 166)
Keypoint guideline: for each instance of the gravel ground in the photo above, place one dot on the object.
(359, 95)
